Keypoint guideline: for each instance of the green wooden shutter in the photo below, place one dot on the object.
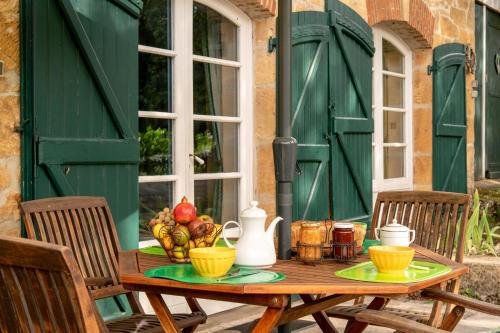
(310, 96)
(351, 113)
(84, 79)
(449, 168)
(492, 120)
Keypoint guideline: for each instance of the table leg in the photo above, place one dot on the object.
(163, 314)
(354, 326)
(321, 318)
(268, 320)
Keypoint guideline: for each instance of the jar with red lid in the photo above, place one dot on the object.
(343, 240)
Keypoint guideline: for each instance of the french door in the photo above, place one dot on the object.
(195, 114)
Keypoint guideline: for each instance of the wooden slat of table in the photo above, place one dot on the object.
(300, 279)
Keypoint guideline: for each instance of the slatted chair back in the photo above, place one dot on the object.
(42, 290)
(438, 218)
(85, 225)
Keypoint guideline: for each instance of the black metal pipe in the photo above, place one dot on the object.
(284, 68)
(284, 146)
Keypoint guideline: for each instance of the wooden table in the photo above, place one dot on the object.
(301, 279)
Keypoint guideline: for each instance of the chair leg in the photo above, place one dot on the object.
(451, 320)
(354, 326)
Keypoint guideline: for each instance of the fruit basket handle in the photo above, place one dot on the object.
(224, 234)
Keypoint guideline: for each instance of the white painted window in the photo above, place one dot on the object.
(392, 113)
(195, 117)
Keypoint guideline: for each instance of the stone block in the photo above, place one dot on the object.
(5, 178)
(448, 28)
(422, 171)
(263, 29)
(265, 66)
(422, 131)
(9, 118)
(10, 224)
(266, 185)
(265, 113)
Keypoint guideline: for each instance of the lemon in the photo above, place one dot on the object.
(157, 230)
(178, 252)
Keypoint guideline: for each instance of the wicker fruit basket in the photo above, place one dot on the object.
(180, 229)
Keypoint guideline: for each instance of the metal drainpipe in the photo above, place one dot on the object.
(284, 146)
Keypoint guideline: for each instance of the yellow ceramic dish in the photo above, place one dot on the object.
(212, 261)
(391, 259)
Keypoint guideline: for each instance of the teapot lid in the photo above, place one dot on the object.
(253, 211)
(395, 226)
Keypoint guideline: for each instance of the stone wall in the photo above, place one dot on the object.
(9, 118)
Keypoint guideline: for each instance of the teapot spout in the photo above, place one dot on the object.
(270, 230)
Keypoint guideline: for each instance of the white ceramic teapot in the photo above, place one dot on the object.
(395, 234)
(255, 247)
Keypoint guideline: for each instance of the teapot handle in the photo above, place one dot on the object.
(377, 232)
(412, 236)
(224, 234)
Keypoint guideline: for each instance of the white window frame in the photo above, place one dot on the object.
(182, 57)
(402, 183)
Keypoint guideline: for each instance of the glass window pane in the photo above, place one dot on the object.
(393, 91)
(215, 90)
(394, 162)
(153, 197)
(155, 24)
(213, 35)
(394, 127)
(217, 198)
(392, 59)
(155, 83)
(155, 136)
(217, 144)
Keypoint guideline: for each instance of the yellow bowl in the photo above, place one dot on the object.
(391, 259)
(212, 261)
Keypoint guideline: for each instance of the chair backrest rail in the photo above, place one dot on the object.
(438, 218)
(86, 226)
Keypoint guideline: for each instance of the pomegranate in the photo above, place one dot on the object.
(184, 212)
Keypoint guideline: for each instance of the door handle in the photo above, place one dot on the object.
(198, 159)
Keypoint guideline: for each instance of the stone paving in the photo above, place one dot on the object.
(473, 322)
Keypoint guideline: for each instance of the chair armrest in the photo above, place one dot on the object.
(466, 302)
(385, 319)
(97, 281)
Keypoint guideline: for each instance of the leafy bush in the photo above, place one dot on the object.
(479, 236)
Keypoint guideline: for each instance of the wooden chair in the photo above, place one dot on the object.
(85, 225)
(42, 290)
(439, 220)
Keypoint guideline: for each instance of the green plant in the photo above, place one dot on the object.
(470, 293)
(478, 235)
(154, 150)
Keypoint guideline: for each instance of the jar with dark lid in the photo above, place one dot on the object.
(310, 242)
(343, 240)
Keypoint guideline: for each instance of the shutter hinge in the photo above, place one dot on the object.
(20, 128)
(430, 69)
(331, 109)
(272, 43)
(298, 171)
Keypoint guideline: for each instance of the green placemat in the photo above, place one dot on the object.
(157, 250)
(366, 271)
(187, 273)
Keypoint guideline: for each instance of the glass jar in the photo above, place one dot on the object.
(343, 240)
(310, 242)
